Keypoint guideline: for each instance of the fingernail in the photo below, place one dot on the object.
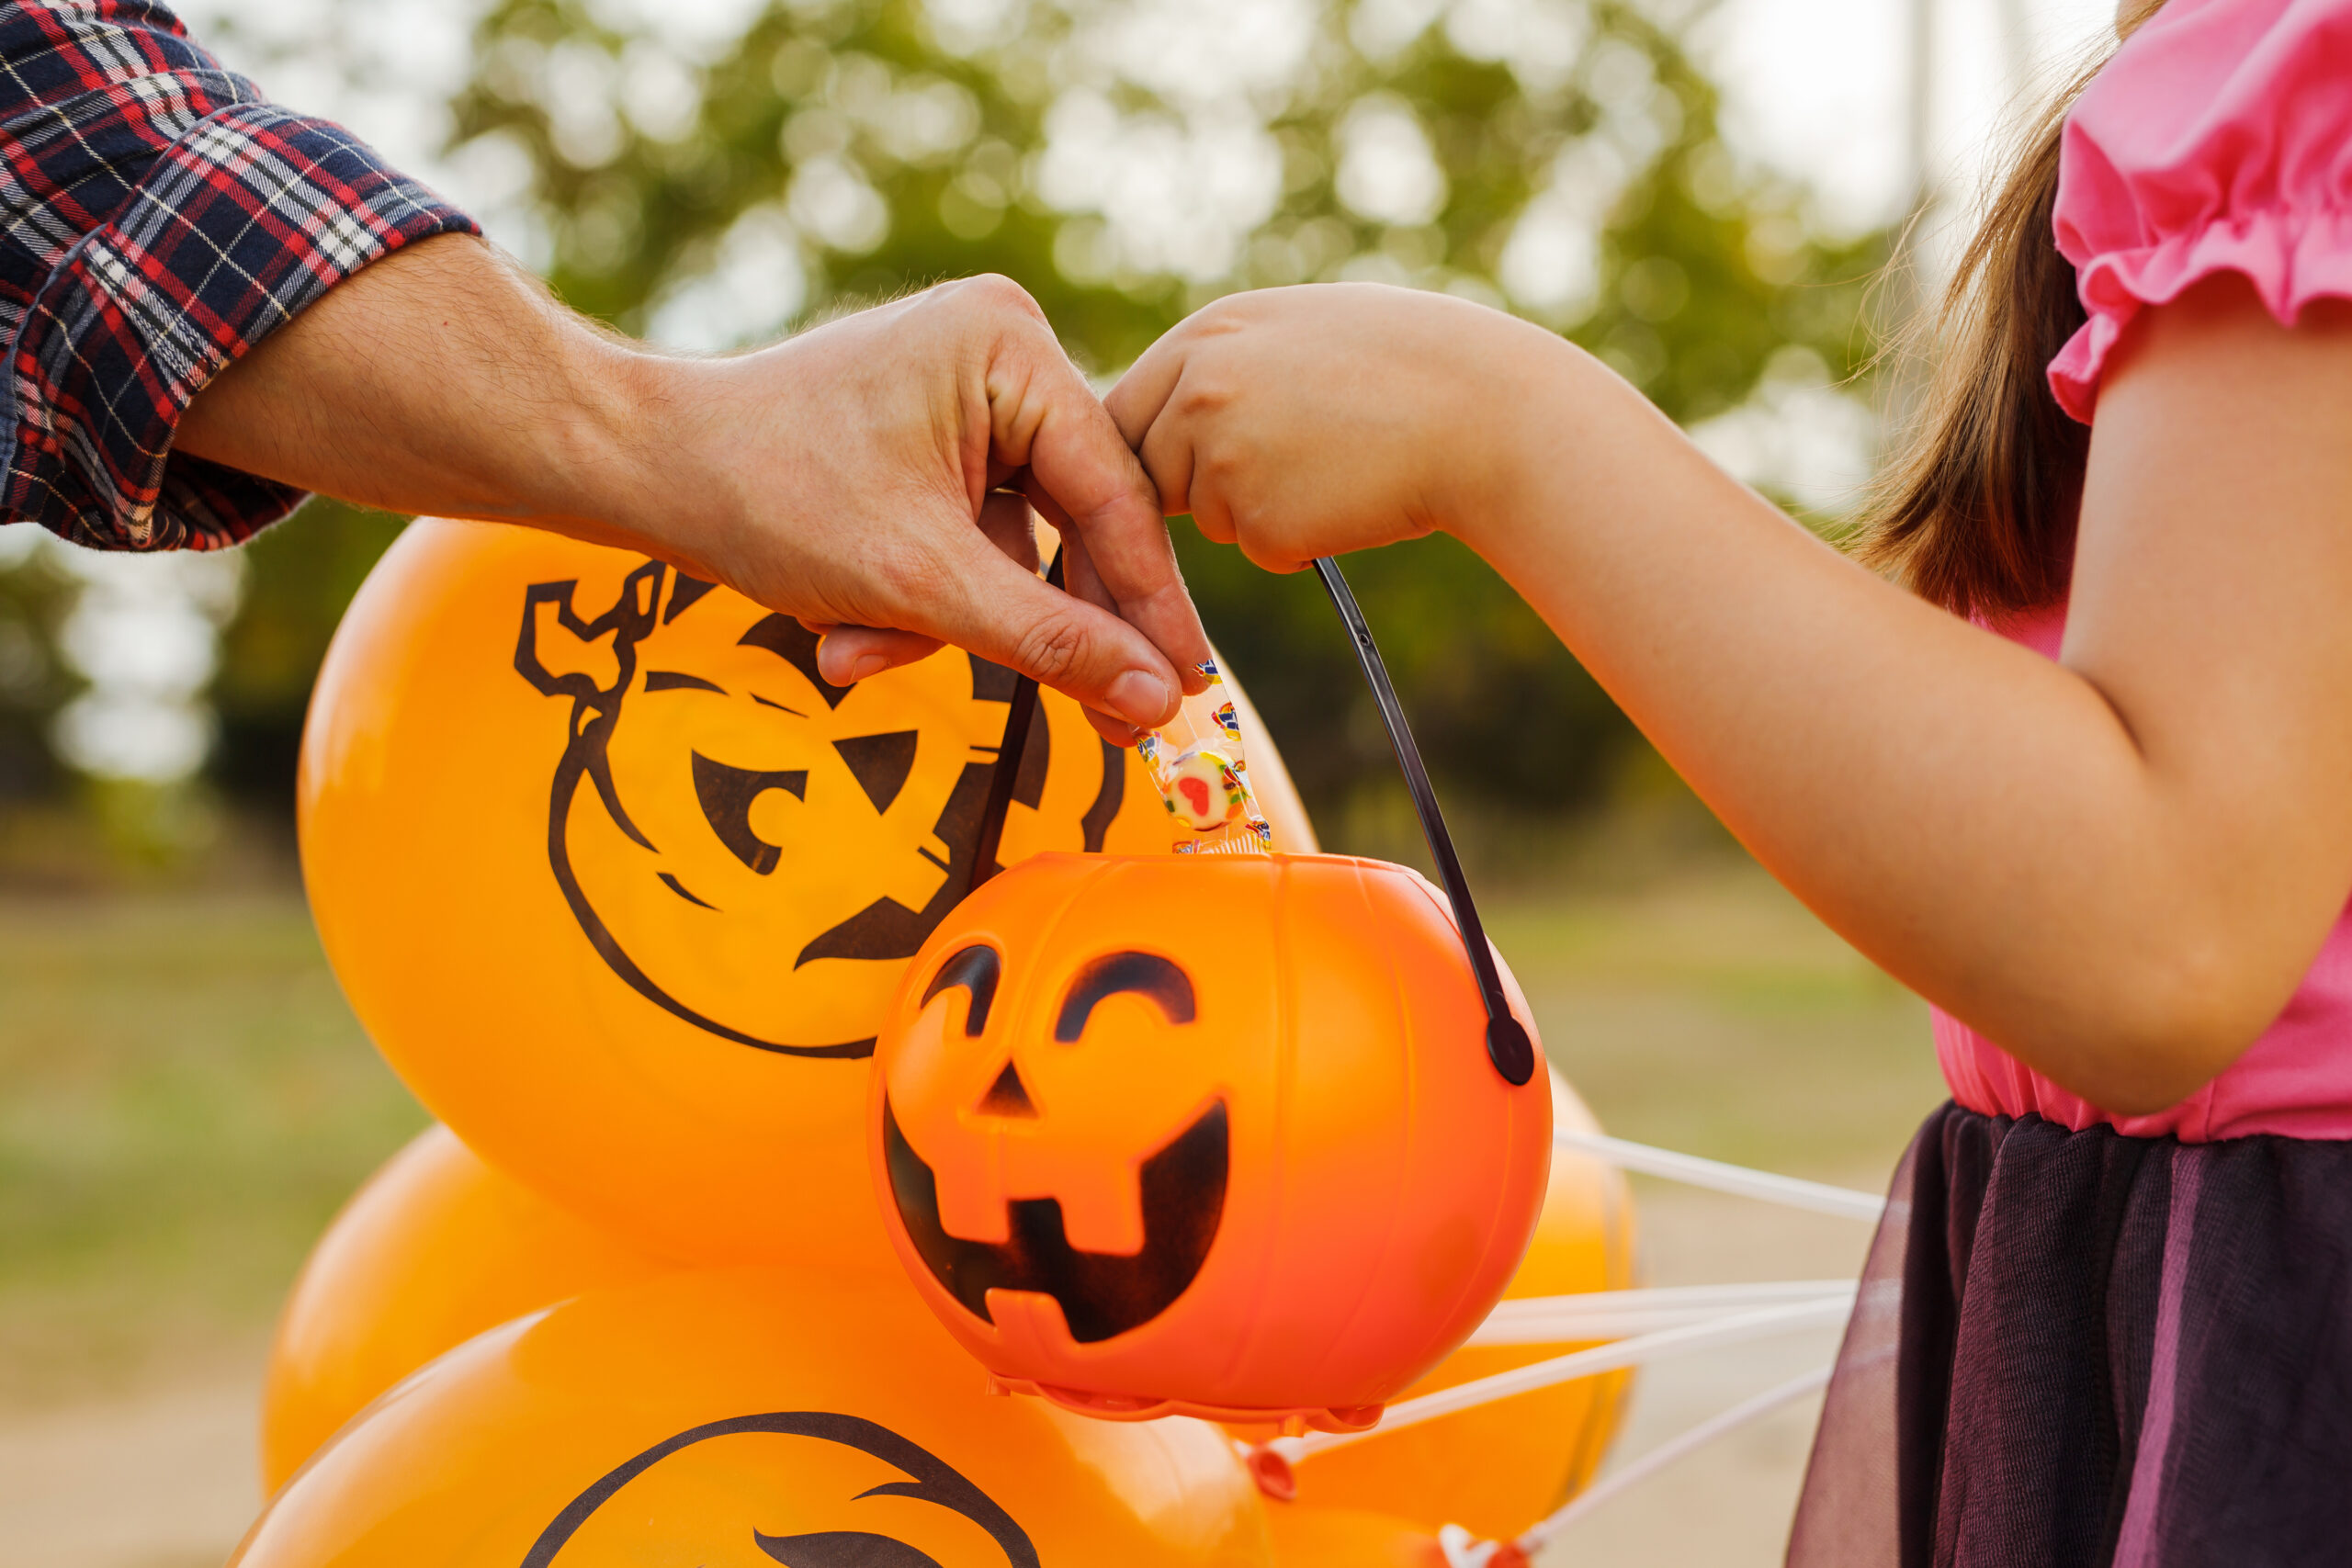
(867, 664)
(1140, 697)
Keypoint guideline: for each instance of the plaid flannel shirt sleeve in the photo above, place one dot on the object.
(158, 217)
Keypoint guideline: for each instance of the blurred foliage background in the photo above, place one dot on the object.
(184, 1097)
(715, 175)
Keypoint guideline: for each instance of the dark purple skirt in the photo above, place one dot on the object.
(2081, 1350)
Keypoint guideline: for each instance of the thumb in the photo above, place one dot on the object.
(1006, 614)
(848, 653)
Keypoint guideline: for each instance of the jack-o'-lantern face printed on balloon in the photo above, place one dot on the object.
(860, 1496)
(1203, 1134)
(720, 809)
(623, 890)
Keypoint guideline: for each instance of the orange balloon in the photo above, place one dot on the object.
(622, 888)
(435, 1249)
(1498, 1468)
(1215, 1134)
(1307, 1537)
(742, 1420)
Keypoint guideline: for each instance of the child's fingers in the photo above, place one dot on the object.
(1167, 456)
(1166, 408)
(1214, 519)
(1171, 454)
(1147, 408)
(1142, 394)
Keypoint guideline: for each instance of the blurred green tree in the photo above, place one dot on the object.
(714, 179)
(33, 594)
(298, 579)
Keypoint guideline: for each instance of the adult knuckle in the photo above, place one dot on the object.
(997, 286)
(994, 291)
(1052, 647)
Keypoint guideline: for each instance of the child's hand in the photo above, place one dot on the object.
(1304, 421)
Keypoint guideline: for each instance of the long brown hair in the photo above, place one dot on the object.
(1975, 510)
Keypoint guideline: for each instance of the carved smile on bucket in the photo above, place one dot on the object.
(1181, 1186)
(1101, 1294)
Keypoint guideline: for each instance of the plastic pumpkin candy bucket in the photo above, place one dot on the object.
(1251, 1137)
(1205, 1134)
(1496, 1466)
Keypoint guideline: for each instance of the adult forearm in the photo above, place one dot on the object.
(444, 380)
(1976, 818)
(842, 476)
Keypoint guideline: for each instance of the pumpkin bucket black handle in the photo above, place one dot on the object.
(1508, 1046)
(1010, 749)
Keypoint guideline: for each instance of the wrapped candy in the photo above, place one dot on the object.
(1198, 760)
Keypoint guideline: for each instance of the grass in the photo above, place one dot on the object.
(183, 1101)
(1712, 1013)
(185, 1098)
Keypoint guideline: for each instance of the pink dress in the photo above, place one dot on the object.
(2079, 1343)
(2218, 140)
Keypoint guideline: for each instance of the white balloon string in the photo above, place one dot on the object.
(1715, 1175)
(1540, 1535)
(1725, 1328)
(1621, 1314)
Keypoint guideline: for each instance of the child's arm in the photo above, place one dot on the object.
(2117, 865)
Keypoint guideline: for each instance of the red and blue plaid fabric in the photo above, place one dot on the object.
(158, 217)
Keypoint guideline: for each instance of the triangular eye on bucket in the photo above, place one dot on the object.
(1508, 1046)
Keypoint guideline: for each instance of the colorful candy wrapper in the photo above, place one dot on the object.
(1197, 760)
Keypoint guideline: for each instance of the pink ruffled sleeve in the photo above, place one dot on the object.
(2218, 139)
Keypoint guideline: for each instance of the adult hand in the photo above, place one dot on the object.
(849, 475)
(1312, 420)
(875, 443)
